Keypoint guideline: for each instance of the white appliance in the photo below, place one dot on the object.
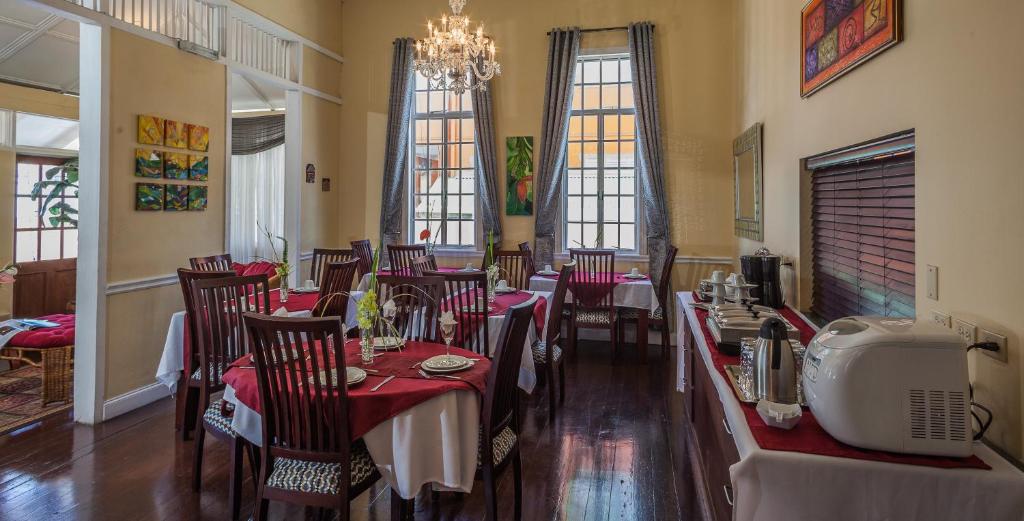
(890, 384)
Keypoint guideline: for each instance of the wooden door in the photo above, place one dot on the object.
(45, 288)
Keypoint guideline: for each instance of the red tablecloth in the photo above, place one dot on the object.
(42, 338)
(497, 308)
(440, 269)
(808, 436)
(368, 409)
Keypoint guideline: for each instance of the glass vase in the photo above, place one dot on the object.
(366, 346)
(284, 289)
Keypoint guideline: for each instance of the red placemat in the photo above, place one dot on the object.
(808, 436)
(368, 409)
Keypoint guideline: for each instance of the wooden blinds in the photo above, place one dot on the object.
(863, 237)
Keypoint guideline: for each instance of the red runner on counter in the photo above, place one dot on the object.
(808, 436)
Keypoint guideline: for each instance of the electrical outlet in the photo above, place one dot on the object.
(942, 319)
(985, 335)
(965, 330)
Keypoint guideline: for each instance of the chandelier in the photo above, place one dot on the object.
(454, 58)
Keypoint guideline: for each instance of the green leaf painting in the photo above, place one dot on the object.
(149, 197)
(61, 182)
(519, 164)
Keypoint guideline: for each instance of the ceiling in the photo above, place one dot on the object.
(37, 48)
(248, 95)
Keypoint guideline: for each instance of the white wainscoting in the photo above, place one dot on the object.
(134, 399)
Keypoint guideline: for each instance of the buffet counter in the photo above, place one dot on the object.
(740, 480)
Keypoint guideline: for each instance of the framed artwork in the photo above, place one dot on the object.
(519, 180)
(175, 134)
(310, 173)
(325, 184)
(198, 167)
(176, 198)
(198, 138)
(149, 163)
(838, 35)
(151, 130)
(196, 198)
(149, 197)
(176, 166)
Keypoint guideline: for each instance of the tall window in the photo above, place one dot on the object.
(600, 180)
(39, 238)
(443, 166)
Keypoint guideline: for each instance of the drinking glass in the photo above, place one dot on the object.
(448, 334)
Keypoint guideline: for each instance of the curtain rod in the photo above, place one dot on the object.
(600, 29)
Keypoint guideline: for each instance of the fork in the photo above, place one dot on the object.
(378, 386)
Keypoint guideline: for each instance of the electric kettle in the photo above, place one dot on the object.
(774, 375)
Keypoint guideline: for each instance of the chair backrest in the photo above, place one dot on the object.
(402, 255)
(334, 289)
(466, 298)
(185, 278)
(417, 300)
(424, 264)
(554, 332)
(594, 278)
(364, 252)
(513, 268)
(323, 256)
(212, 263)
(219, 304)
(531, 265)
(501, 401)
(665, 282)
(304, 415)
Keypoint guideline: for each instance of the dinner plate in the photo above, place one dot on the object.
(305, 290)
(353, 375)
(634, 277)
(475, 309)
(446, 363)
(473, 270)
(548, 273)
(388, 343)
(500, 291)
(295, 356)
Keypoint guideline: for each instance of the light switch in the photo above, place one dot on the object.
(933, 282)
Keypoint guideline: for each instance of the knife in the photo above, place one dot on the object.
(378, 386)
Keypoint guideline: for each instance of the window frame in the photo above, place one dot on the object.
(42, 163)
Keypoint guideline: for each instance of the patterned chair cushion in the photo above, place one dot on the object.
(592, 317)
(215, 419)
(540, 350)
(315, 477)
(218, 369)
(633, 314)
(502, 445)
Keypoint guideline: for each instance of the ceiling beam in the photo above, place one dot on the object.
(26, 39)
(21, 24)
(259, 92)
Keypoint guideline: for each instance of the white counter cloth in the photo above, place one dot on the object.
(770, 485)
(634, 294)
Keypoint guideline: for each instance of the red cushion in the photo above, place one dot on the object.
(238, 268)
(42, 338)
(260, 268)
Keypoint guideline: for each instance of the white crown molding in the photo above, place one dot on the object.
(134, 399)
(128, 286)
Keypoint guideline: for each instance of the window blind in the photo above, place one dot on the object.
(863, 237)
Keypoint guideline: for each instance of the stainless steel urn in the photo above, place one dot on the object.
(774, 377)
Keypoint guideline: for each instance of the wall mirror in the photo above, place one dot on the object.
(746, 165)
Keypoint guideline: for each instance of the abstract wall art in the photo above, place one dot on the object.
(176, 166)
(197, 198)
(176, 198)
(838, 35)
(198, 167)
(149, 197)
(519, 181)
(151, 130)
(198, 138)
(149, 163)
(175, 134)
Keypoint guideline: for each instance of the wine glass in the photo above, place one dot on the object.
(448, 334)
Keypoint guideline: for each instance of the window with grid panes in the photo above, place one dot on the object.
(35, 237)
(599, 201)
(443, 168)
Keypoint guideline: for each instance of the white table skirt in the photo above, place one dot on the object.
(639, 294)
(770, 485)
(433, 442)
(172, 361)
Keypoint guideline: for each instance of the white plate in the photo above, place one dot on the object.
(634, 277)
(388, 343)
(475, 309)
(440, 364)
(295, 356)
(500, 291)
(305, 290)
(353, 375)
(552, 272)
(473, 270)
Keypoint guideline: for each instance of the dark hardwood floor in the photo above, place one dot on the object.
(607, 456)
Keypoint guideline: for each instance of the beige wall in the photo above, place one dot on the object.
(317, 20)
(695, 81)
(955, 79)
(13, 97)
(320, 137)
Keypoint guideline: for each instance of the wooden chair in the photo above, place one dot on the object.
(592, 285)
(322, 257)
(190, 382)
(514, 268)
(547, 352)
(308, 457)
(212, 263)
(418, 300)
(658, 318)
(334, 290)
(363, 251)
(402, 255)
(531, 266)
(219, 305)
(466, 298)
(424, 264)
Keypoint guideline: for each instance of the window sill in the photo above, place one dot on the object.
(627, 257)
(458, 253)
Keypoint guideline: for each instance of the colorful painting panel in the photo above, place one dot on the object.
(839, 35)
(149, 163)
(176, 166)
(151, 130)
(519, 180)
(176, 198)
(196, 198)
(198, 138)
(149, 197)
(175, 134)
(198, 167)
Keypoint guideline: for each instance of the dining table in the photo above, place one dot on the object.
(419, 428)
(364, 281)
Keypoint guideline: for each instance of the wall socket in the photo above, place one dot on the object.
(985, 335)
(965, 330)
(942, 319)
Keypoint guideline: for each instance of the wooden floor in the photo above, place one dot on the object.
(607, 456)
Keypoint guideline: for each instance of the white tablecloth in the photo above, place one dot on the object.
(639, 294)
(771, 485)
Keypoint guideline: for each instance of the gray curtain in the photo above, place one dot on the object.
(648, 138)
(255, 135)
(487, 163)
(563, 48)
(395, 153)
